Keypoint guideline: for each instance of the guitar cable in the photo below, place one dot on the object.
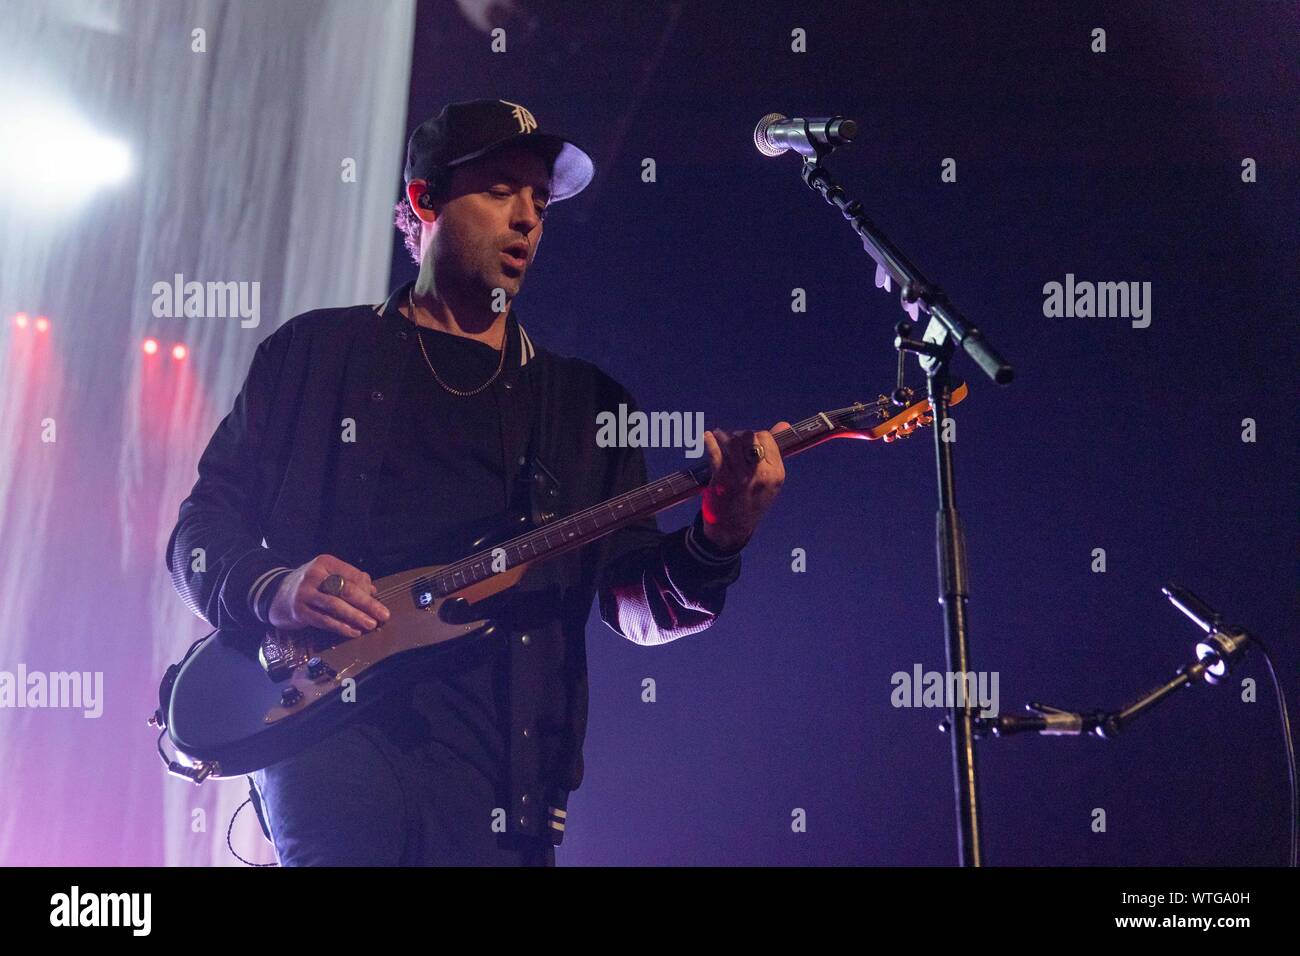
(230, 828)
(1289, 744)
(183, 771)
(196, 775)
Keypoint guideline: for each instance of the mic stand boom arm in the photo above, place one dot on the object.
(1224, 645)
(914, 290)
(1054, 722)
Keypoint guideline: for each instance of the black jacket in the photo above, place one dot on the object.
(277, 486)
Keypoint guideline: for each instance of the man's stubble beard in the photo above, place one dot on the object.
(473, 270)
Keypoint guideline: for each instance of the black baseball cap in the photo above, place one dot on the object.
(465, 131)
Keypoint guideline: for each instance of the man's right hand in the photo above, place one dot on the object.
(299, 602)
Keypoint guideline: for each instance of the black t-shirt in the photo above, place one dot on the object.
(442, 475)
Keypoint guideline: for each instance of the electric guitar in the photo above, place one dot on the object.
(247, 697)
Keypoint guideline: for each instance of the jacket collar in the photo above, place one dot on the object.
(525, 351)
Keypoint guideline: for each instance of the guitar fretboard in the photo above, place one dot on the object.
(583, 527)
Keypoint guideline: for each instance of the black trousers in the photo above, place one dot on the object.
(357, 799)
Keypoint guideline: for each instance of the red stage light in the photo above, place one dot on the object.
(42, 324)
(20, 320)
(150, 346)
(179, 352)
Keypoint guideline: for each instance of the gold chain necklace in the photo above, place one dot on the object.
(410, 298)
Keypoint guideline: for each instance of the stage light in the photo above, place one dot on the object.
(42, 324)
(150, 346)
(20, 320)
(50, 156)
(179, 352)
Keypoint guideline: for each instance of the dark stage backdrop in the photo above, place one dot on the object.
(1116, 166)
(773, 737)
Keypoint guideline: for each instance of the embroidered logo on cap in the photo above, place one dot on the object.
(524, 118)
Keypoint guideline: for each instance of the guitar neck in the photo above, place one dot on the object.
(583, 527)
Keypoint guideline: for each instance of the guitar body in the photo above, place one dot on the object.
(251, 696)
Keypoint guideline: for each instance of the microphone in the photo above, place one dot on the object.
(776, 133)
(1200, 614)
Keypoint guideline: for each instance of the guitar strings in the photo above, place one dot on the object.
(785, 436)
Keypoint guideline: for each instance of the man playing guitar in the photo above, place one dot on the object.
(371, 439)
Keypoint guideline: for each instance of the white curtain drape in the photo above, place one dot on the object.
(265, 140)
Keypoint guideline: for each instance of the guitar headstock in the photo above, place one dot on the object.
(882, 419)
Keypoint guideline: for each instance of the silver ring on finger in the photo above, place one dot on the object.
(333, 585)
(755, 453)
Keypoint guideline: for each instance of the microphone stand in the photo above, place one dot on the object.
(947, 329)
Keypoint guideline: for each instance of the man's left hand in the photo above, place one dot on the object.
(741, 490)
